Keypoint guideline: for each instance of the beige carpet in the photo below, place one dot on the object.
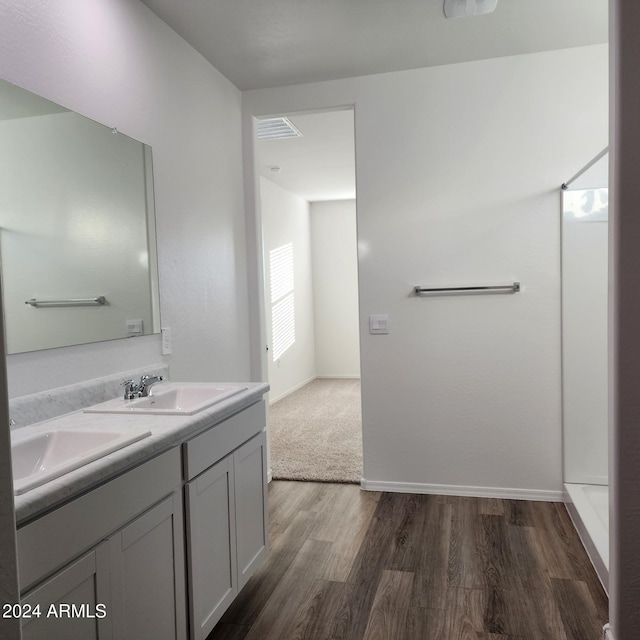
(316, 433)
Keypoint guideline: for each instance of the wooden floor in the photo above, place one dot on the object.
(352, 565)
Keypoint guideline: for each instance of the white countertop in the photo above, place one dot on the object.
(167, 431)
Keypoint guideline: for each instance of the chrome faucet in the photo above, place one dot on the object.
(140, 390)
(145, 384)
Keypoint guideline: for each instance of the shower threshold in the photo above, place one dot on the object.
(588, 506)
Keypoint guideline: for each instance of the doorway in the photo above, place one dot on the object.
(308, 210)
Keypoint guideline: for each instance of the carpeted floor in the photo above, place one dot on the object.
(316, 432)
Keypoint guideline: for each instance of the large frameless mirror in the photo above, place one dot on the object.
(77, 228)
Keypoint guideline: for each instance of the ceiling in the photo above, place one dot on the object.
(269, 43)
(318, 166)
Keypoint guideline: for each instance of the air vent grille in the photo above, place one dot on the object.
(272, 128)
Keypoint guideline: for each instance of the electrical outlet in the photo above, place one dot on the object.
(134, 328)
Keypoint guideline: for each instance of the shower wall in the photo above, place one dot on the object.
(584, 335)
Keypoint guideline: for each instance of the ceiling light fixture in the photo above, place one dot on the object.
(467, 8)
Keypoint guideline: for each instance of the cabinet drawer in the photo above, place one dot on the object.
(55, 539)
(219, 441)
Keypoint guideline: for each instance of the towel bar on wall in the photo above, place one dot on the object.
(509, 288)
(70, 302)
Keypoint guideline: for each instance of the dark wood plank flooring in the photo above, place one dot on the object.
(352, 565)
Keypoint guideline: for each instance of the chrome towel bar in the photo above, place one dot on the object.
(70, 302)
(509, 288)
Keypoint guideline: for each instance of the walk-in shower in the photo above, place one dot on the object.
(584, 356)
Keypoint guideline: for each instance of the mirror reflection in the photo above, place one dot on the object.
(77, 228)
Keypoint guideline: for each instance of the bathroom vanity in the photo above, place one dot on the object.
(154, 540)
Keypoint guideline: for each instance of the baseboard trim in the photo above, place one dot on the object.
(306, 382)
(290, 391)
(459, 490)
(339, 376)
(269, 475)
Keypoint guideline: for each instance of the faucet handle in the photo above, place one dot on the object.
(129, 389)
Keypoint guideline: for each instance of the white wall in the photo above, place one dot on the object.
(116, 62)
(335, 288)
(461, 187)
(285, 219)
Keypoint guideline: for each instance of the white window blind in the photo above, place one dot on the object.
(283, 319)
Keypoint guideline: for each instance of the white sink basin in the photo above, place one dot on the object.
(44, 456)
(172, 399)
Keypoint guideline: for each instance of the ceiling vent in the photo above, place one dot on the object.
(272, 128)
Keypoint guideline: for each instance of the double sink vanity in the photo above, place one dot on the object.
(141, 518)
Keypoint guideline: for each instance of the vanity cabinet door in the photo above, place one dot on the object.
(250, 477)
(211, 541)
(147, 575)
(73, 604)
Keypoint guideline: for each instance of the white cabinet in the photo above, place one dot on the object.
(212, 546)
(84, 583)
(111, 562)
(129, 587)
(250, 473)
(226, 520)
(131, 583)
(146, 561)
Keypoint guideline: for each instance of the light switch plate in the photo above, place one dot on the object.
(379, 323)
(166, 341)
